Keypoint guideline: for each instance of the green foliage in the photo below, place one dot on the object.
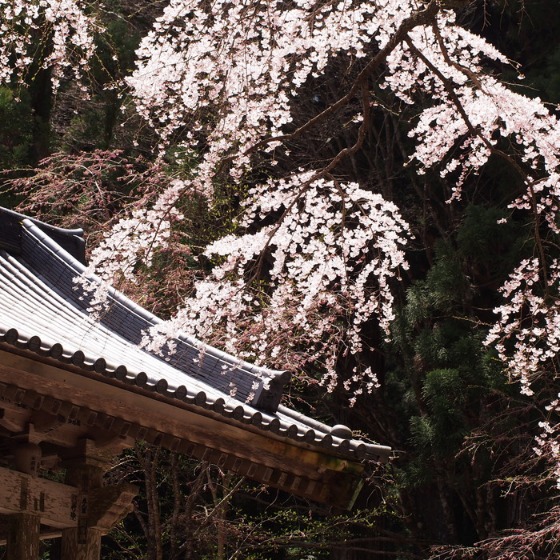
(489, 245)
(446, 387)
(97, 123)
(445, 288)
(16, 128)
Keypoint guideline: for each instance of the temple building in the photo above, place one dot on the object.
(76, 388)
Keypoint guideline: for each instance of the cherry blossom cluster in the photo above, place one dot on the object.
(527, 338)
(548, 442)
(473, 113)
(136, 237)
(228, 72)
(301, 290)
(527, 333)
(54, 34)
(244, 62)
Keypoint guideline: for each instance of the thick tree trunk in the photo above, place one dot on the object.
(150, 461)
(41, 103)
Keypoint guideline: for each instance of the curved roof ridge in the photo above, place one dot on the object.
(72, 240)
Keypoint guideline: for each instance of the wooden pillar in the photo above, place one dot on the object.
(81, 544)
(85, 472)
(23, 536)
(24, 528)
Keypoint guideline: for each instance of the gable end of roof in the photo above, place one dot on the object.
(11, 228)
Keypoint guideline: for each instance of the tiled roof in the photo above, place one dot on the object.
(44, 311)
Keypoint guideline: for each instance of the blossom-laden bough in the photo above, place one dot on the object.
(315, 252)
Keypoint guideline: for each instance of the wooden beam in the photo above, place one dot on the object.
(181, 420)
(110, 504)
(84, 469)
(54, 432)
(45, 535)
(38, 426)
(55, 503)
(61, 506)
(13, 419)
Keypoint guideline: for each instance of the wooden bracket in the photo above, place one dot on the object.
(109, 504)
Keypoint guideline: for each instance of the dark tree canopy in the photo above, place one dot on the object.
(365, 193)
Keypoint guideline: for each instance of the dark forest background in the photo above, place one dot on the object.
(464, 481)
